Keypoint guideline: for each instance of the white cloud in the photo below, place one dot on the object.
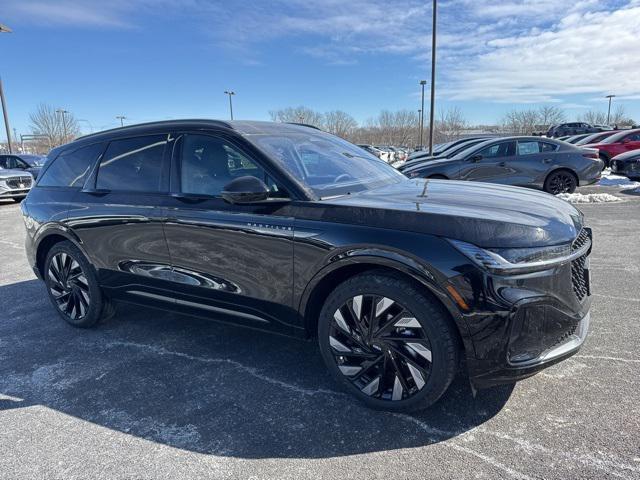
(583, 53)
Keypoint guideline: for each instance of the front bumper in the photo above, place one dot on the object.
(627, 169)
(567, 345)
(18, 193)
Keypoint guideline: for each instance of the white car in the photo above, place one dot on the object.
(15, 184)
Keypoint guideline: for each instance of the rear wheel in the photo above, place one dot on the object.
(72, 286)
(387, 343)
(560, 181)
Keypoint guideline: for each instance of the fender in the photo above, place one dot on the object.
(399, 261)
(47, 230)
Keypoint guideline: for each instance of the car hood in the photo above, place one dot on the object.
(487, 215)
(11, 172)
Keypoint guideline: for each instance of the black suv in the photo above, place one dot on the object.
(574, 128)
(286, 228)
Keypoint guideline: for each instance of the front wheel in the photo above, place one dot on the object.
(560, 181)
(387, 343)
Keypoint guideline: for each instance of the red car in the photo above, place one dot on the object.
(616, 144)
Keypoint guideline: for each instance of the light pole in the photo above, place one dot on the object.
(88, 123)
(230, 93)
(64, 122)
(122, 118)
(433, 76)
(609, 111)
(422, 84)
(5, 114)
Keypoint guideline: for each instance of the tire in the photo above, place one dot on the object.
(18, 199)
(606, 161)
(437, 176)
(387, 370)
(73, 287)
(560, 181)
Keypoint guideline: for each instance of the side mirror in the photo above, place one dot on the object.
(476, 158)
(243, 190)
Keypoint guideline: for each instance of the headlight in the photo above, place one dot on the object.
(519, 260)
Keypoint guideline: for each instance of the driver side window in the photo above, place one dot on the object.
(502, 149)
(209, 163)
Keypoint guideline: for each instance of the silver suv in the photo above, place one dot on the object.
(15, 184)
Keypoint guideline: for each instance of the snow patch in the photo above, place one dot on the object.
(612, 180)
(589, 198)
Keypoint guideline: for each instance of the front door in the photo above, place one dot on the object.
(233, 261)
(489, 164)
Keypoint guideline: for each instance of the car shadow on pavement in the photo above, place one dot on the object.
(205, 387)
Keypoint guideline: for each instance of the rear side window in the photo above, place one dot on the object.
(132, 164)
(70, 169)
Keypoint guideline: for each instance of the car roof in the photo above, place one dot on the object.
(241, 126)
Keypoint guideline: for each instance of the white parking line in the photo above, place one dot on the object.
(612, 297)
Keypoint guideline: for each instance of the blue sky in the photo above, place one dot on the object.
(158, 59)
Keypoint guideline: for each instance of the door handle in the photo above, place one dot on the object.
(546, 160)
(502, 164)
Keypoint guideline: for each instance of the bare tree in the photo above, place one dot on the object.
(60, 128)
(550, 115)
(594, 117)
(340, 123)
(299, 114)
(520, 122)
(450, 125)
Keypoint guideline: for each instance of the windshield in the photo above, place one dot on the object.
(618, 136)
(326, 164)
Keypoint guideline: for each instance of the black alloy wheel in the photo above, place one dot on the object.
(73, 287)
(390, 345)
(560, 181)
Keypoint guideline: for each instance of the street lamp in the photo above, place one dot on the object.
(609, 111)
(88, 123)
(230, 93)
(422, 84)
(122, 118)
(64, 122)
(433, 77)
(5, 114)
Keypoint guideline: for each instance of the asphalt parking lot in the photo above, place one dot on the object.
(156, 395)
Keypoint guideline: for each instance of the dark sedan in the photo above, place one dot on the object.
(28, 163)
(627, 164)
(546, 164)
(573, 128)
(448, 153)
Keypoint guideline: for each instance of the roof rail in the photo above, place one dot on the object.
(304, 125)
(148, 124)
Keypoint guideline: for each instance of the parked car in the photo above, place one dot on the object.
(573, 128)
(576, 138)
(288, 228)
(595, 137)
(28, 163)
(546, 164)
(620, 142)
(374, 151)
(440, 148)
(14, 184)
(391, 154)
(627, 164)
(448, 153)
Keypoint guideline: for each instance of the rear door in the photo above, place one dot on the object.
(118, 215)
(232, 261)
(630, 142)
(534, 159)
(490, 164)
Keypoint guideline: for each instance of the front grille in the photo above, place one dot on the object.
(19, 182)
(579, 273)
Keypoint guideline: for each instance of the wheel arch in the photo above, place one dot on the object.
(53, 235)
(565, 169)
(325, 281)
